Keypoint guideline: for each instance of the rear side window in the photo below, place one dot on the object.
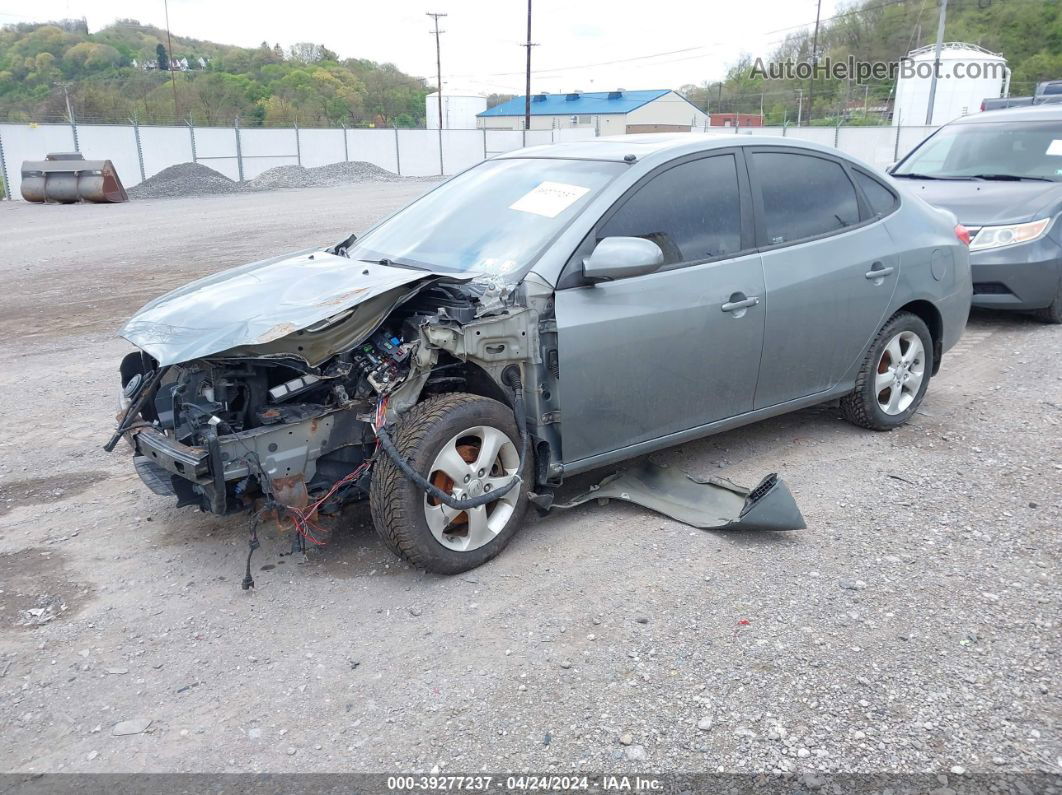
(803, 196)
(881, 198)
(692, 211)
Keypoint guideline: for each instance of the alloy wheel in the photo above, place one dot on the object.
(470, 464)
(900, 373)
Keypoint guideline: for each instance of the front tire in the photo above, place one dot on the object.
(894, 376)
(465, 445)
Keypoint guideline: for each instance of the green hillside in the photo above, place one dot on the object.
(105, 76)
(1027, 32)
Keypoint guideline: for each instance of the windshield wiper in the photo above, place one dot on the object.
(1009, 177)
(390, 263)
(914, 175)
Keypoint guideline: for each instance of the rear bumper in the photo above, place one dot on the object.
(1019, 277)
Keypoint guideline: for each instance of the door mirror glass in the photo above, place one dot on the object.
(622, 257)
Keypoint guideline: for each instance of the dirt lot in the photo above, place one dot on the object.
(914, 626)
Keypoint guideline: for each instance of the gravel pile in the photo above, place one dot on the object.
(322, 176)
(195, 179)
(183, 179)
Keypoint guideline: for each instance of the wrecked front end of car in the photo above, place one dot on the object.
(250, 387)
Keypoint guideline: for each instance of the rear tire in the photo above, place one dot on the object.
(450, 433)
(894, 376)
(1051, 314)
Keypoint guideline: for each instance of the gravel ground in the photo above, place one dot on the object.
(195, 179)
(912, 627)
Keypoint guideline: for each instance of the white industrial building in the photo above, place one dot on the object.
(968, 74)
(459, 110)
(606, 112)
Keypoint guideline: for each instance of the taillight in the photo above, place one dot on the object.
(982, 106)
(963, 234)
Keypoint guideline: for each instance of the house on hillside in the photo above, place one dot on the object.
(607, 112)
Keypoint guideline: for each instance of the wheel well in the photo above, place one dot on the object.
(930, 315)
(454, 375)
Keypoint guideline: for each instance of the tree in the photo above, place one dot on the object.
(308, 52)
(257, 83)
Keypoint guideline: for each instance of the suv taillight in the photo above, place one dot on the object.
(963, 234)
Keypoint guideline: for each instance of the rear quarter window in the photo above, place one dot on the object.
(882, 200)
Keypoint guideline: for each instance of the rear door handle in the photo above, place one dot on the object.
(745, 303)
(879, 273)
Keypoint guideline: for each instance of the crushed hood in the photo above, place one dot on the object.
(262, 302)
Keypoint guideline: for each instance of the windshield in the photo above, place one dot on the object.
(494, 218)
(1030, 150)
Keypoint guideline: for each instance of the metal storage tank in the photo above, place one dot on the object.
(968, 74)
(459, 110)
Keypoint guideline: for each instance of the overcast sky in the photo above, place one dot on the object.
(590, 45)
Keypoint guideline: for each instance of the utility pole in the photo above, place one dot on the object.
(800, 105)
(866, 97)
(527, 97)
(438, 59)
(936, 62)
(814, 63)
(169, 59)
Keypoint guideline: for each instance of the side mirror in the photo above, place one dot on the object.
(622, 257)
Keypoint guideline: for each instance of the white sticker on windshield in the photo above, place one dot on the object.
(549, 199)
(1055, 147)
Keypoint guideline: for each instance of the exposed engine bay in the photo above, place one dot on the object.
(222, 431)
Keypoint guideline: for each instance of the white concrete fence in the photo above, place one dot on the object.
(140, 151)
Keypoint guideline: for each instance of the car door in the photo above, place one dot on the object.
(650, 355)
(830, 270)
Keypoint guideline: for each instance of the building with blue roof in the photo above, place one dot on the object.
(606, 112)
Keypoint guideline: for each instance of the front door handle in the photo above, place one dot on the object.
(743, 303)
(879, 272)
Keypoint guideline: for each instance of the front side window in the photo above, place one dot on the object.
(692, 211)
(803, 196)
(496, 217)
(1012, 150)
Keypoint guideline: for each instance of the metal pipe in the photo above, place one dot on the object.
(3, 171)
(139, 148)
(191, 135)
(239, 149)
(936, 62)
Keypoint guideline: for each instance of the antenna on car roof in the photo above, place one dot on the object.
(630, 158)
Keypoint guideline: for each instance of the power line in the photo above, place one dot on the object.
(582, 66)
(853, 12)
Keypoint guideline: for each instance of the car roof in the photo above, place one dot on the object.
(1046, 112)
(656, 146)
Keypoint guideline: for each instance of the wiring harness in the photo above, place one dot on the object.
(511, 378)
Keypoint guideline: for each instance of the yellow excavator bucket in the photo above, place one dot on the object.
(68, 177)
